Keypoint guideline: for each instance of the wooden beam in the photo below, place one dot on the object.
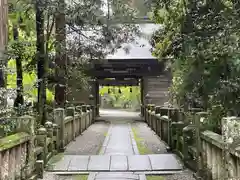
(108, 82)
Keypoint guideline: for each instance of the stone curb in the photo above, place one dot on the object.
(134, 143)
(106, 141)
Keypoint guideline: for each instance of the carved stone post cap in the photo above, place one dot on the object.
(70, 111)
(84, 108)
(48, 124)
(147, 96)
(41, 131)
(152, 107)
(59, 109)
(202, 114)
(55, 126)
(91, 97)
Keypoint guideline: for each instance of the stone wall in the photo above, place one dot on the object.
(231, 129)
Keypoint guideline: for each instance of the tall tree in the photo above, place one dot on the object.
(3, 47)
(17, 52)
(19, 99)
(61, 57)
(40, 47)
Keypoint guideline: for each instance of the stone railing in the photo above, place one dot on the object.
(211, 155)
(72, 122)
(24, 154)
(219, 159)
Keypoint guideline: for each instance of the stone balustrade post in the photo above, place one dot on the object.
(49, 127)
(197, 122)
(59, 115)
(89, 107)
(176, 128)
(158, 124)
(84, 110)
(27, 124)
(89, 116)
(164, 111)
(41, 141)
(93, 114)
(70, 111)
(174, 115)
(40, 168)
(147, 114)
(79, 109)
(55, 137)
(152, 116)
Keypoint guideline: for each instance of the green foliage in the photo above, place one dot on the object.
(29, 83)
(201, 40)
(123, 98)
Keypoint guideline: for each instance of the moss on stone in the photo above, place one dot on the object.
(154, 177)
(13, 140)
(140, 143)
(81, 177)
(54, 160)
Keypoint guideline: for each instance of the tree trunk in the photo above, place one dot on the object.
(3, 47)
(61, 58)
(19, 99)
(40, 45)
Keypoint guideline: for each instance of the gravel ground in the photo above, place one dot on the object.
(89, 143)
(152, 142)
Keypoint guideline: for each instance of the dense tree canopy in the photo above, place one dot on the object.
(52, 42)
(200, 39)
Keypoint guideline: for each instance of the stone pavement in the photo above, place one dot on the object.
(119, 141)
(119, 152)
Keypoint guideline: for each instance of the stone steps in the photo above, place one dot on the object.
(117, 163)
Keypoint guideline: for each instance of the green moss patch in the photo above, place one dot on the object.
(155, 177)
(140, 143)
(54, 160)
(13, 140)
(80, 177)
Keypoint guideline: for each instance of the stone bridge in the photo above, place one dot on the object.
(157, 143)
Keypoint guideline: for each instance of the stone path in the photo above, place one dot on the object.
(119, 152)
(119, 141)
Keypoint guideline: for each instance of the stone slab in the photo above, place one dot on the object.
(139, 163)
(119, 163)
(79, 163)
(119, 141)
(63, 164)
(117, 175)
(142, 177)
(165, 162)
(154, 162)
(99, 163)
